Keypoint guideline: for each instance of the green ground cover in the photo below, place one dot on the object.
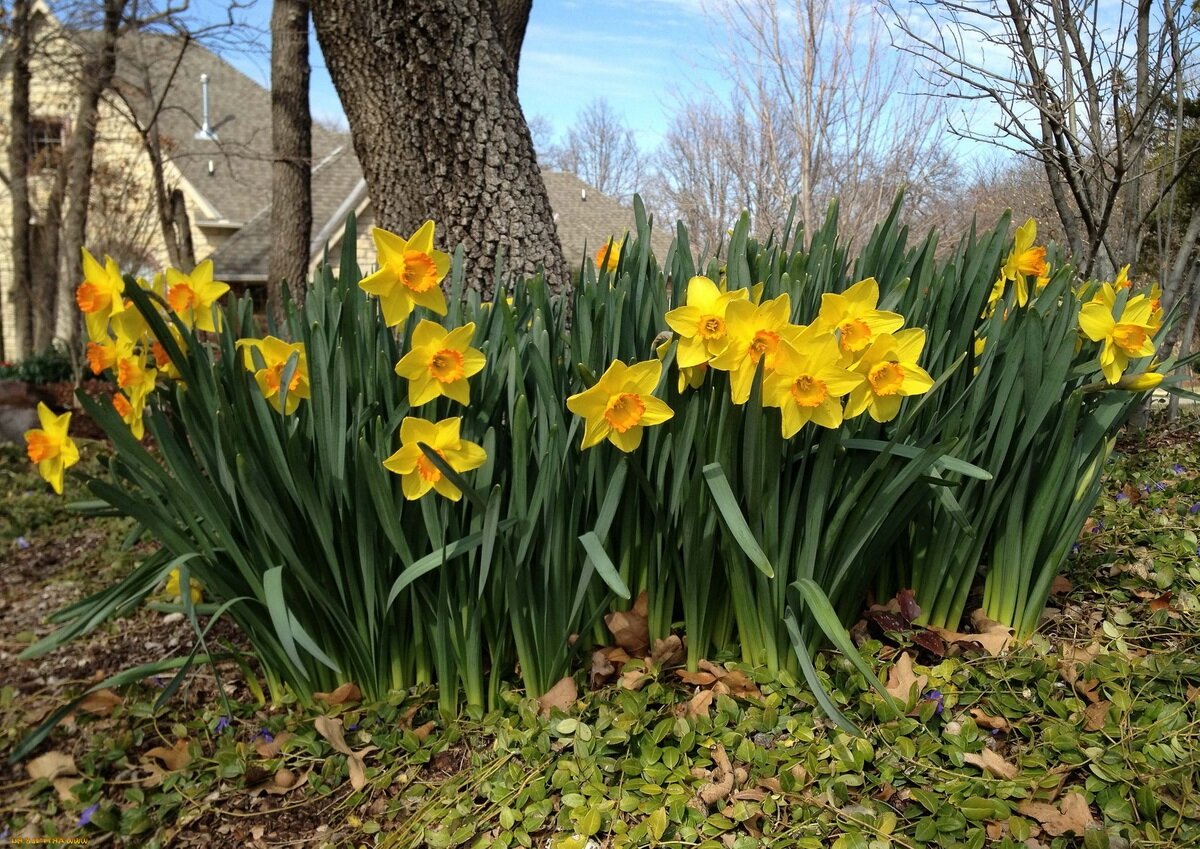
(1084, 736)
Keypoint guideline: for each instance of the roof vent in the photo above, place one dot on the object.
(206, 130)
(583, 194)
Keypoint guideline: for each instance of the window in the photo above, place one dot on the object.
(46, 138)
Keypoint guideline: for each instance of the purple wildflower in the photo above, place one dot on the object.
(1177, 469)
(266, 735)
(936, 697)
(1195, 508)
(22, 543)
(1075, 548)
(1122, 496)
(86, 816)
(221, 725)
(1160, 486)
(353, 727)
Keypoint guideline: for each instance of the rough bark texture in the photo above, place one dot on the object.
(430, 93)
(65, 236)
(19, 342)
(291, 139)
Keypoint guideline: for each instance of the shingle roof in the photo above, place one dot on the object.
(586, 219)
(239, 114)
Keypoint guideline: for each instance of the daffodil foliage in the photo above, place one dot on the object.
(404, 483)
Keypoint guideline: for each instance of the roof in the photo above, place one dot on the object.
(239, 115)
(336, 179)
(586, 219)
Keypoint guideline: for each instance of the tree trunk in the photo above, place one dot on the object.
(97, 78)
(431, 98)
(20, 342)
(291, 138)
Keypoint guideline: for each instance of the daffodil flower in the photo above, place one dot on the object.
(854, 316)
(50, 447)
(692, 376)
(1122, 279)
(609, 255)
(419, 474)
(756, 333)
(99, 295)
(891, 373)
(1025, 261)
(275, 354)
(701, 322)
(174, 590)
(1126, 338)
(410, 274)
(162, 360)
(135, 377)
(621, 405)
(130, 413)
(192, 296)
(809, 386)
(440, 363)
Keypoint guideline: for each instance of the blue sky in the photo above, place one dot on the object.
(639, 54)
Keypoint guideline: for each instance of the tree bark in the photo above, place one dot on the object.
(429, 89)
(20, 342)
(98, 76)
(291, 138)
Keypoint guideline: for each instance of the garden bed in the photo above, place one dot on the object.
(1085, 736)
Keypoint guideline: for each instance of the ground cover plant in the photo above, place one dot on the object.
(1083, 736)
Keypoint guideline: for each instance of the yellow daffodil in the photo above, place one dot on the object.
(701, 322)
(99, 295)
(1156, 309)
(854, 316)
(1025, 261)
(621, 405)
(692, 377)
(808, 386)
(440, 363)
(162, 359)
(275, 354)
(135, 377)
(173, 589)
(102, 356)
(890, 371)
(410, 274)
(50, 447)
(755, 332)
(192, 296)
(609, 255)
(1122, 279)
(419, 474)
(130, 413)
(1140, 382)
(1126, 338)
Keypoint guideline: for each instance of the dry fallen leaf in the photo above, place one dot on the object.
(633, 679)
(700, 679)
(272, 749)
(1095, 715)
(1061, 585)
(347, 693)
(423, 731)
(901, 679)
(562, 695)
(630, 628)
(1163, 602)
(602, 669)
(63, 787)
(986, 720)
(667, 652)
(721, 783)
(992, 763)
(51, 765)
(100, 703)
(174, 758)
(992, 636)
(699, 704)
(1071, 815)
(331, 730)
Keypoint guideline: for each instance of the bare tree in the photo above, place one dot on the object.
(602, 150)
(1092, 90)
(291, 138)
(23, 333)
(430, 91)
(829, 111)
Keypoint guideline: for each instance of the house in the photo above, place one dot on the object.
(214, 126)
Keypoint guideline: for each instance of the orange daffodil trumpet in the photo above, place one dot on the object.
(609, 255)
(192, 296)
(50, 447)
(853, 315)
(1123, 338)
(410, 274)
(439, 363)
(757, 333)
(809, 386)
(418, 473)
(621, 405)
(276, 354)
(700, 323)
(890, 371)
